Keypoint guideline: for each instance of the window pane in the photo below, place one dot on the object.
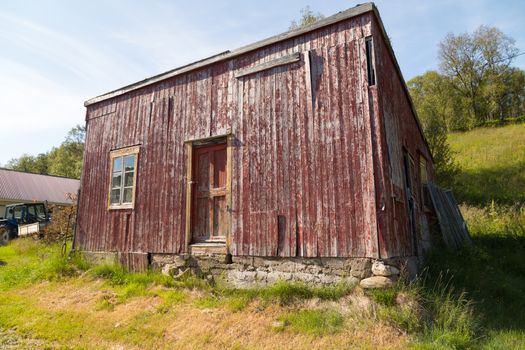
(128, 179)
(31, 210)
(128, 195)
(117, 164)
(129, 162)
(116, 181)
(115, 196)
(40, 211)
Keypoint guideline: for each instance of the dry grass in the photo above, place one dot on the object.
(137, 322)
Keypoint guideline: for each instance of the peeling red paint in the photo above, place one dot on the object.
(310, 162)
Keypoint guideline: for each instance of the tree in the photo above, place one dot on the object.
(77, 134)
(33, 164)
(307, 17)
(436, 106)
(475, 61)
(65, 160)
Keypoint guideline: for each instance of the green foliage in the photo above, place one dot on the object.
(307, 17)
(477, 67)
(316, 322)
(476, 85)
(435, 103)
(66, 160)
(34, 164)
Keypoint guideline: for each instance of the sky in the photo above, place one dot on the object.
(54, 55)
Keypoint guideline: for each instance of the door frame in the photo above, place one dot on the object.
(189, 145)
(410, 182)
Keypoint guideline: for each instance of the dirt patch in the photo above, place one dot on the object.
(11, 340)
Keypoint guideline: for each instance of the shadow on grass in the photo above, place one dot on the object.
(492, 272)
(503, 185)
(2, 263)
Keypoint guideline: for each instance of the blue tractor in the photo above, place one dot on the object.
(23, 215)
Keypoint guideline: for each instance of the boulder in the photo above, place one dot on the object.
(173, 268)
(379, 268)
(376, 282)
(360, 268)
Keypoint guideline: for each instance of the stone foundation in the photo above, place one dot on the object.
(245, 271)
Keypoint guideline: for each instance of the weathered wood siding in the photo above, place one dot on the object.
(395, 127)
(306, 136)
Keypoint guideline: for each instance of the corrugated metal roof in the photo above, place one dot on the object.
(23, 187)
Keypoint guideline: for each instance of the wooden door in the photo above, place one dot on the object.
(209, 192)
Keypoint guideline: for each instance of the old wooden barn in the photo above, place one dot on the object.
(303, 148)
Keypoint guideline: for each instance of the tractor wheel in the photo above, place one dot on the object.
(4, 236)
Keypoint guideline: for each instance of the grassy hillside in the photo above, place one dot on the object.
(492, 163)
(491, 185)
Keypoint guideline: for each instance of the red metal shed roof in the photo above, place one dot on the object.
(24, 187)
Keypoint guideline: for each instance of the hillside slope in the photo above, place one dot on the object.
(492, 163)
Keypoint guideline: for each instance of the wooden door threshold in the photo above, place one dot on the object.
(208, 248)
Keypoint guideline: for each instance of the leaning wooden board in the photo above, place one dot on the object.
(453, 226)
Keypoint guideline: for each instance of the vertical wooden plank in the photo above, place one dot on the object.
(189, 174)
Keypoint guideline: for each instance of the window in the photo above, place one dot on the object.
(18, 212)
(423, 176)
(123, 176)
(370, 61)
(40, 211)
(36, 211)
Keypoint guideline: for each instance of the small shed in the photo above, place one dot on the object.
(301, 151)
(23, 187)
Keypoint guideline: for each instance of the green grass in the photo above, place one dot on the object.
(27, 262)
(316, 322)
(492, 271)
(467, 299)
(492, 164)
(480, 301)
(282, 292)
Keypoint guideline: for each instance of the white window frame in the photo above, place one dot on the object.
(122, 153)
